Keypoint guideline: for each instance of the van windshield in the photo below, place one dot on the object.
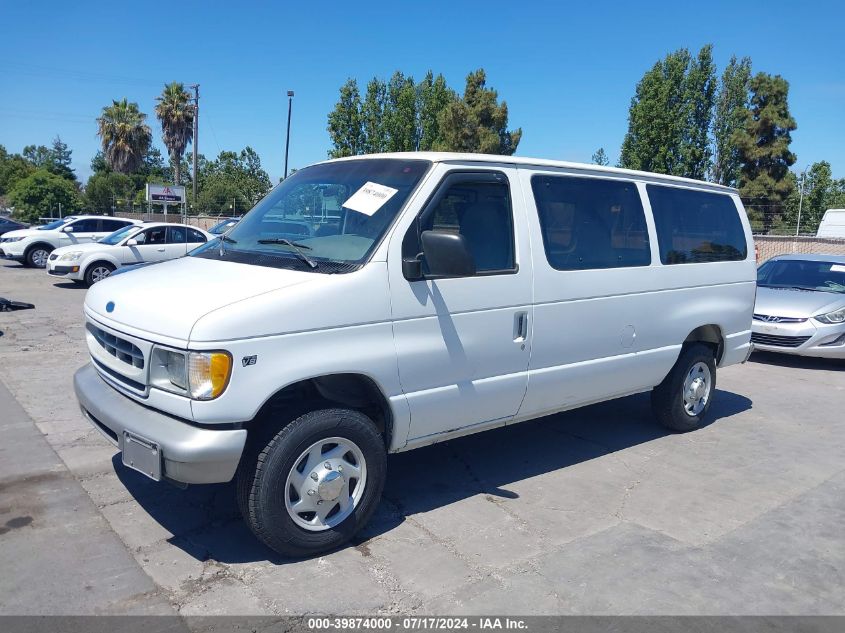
(326, 218)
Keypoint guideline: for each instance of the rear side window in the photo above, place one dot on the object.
(89, 225)
(195, 236)
(696, 226)
(113, 225)
(590, 223)
(176, 235)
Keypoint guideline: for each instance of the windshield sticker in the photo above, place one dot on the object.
(370, 198)
(837, 268)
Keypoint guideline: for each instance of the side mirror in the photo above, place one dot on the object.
(132, 242)
(67, 229)
(447, 254)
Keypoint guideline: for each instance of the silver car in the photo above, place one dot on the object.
(800, 306)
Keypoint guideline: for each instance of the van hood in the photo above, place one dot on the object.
(787, 302)
(167, 299)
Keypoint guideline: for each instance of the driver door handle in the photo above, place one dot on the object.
(520, 326)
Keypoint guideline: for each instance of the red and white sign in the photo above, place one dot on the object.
(165, 193)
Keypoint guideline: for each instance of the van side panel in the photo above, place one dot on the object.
(600, 334)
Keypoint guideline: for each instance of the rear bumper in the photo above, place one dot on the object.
(191, 455)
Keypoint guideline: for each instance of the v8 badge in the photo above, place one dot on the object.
(246, 361)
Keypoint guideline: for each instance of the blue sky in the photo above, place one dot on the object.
(566, 70)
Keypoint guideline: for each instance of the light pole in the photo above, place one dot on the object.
(196, 88)
(287, 138)
(801, 200)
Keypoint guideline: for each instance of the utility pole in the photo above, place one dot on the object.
(801, 200)
(196, 88)
(287, 139)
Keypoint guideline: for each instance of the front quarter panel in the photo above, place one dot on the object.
(337, 324)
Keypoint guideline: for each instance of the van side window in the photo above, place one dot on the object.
(590, 223)
(481, 212)
(696, 226)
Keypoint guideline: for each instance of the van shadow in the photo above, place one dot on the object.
(797, 362)
(206, 523)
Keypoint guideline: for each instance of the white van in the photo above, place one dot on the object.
(444, 294)
(832, 224)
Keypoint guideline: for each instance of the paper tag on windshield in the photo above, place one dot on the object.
(837, 268)
(370, 198)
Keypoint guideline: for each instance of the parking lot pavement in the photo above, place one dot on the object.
(595, 511)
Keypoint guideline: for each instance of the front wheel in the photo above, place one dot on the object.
(37, 256)
(682, 400)
(97, 272)
(315, 483)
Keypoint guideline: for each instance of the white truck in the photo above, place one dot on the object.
(832, 224)
(451, 294)
(33, 246)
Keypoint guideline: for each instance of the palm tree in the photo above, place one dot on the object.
(176, 114)
(124, 136)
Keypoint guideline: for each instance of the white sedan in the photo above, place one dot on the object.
(142, 243)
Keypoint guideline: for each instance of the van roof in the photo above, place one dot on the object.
(453, 157)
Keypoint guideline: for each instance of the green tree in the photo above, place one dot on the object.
(106, 192)
(477, 122)
(372, 117)
(124, 135)
(400, 114)
(600, 158)
(699, 98)
(433, 95)
(60, 160)
(658, 118)
(821, 192)
(40, 194)
(345, 122)
(176, 114)
(13, 167)
(731, 107)
(232, 179)
(763, 145)
(38, 155)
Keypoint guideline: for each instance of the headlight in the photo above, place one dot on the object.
(837, 316)
(199, 375)
(8, 240)
(70, 257)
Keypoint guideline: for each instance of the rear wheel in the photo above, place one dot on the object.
(683, 399)
(97, 272)
(315, 483)
(37, 256)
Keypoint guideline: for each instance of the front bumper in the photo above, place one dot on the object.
(61, 271)
(808, 338)
(191, 455)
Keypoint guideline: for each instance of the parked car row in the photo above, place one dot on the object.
(87, 249)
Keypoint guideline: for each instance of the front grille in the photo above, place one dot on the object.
(778, 341)
(120, 348)
(777, 319)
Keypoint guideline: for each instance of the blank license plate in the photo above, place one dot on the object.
(142, 455)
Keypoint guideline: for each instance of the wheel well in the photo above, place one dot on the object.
(353, 391)
(710, 335)
(50, 248)
(98, 261)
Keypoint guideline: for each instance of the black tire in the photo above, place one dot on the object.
(91, 273)
(264, 469)
(667, 398)
(32, 253)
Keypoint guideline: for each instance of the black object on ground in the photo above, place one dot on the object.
(7, 305)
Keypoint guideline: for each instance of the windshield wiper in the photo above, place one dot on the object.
(296, 246)
(223, 240)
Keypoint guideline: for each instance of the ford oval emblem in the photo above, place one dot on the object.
(110, 306)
